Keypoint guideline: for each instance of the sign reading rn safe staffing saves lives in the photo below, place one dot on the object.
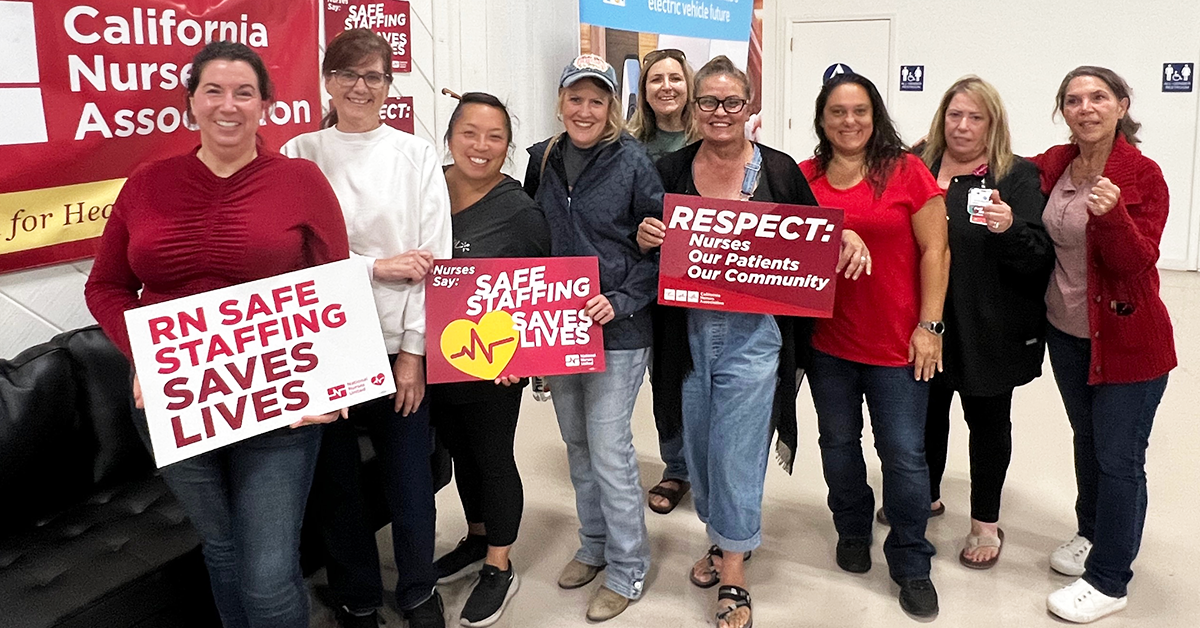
(745, 256)
(222, 366)
(492, 317)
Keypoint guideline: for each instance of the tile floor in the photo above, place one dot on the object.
(793, 576)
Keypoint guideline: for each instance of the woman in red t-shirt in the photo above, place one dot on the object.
(884, 340)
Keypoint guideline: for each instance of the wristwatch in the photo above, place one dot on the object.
(936, 328)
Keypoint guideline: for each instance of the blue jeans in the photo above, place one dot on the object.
(897, 404)
(671, 450)
(727, 400)
(594, 412)
(247, 502)
(1112, 431)
(402, 446)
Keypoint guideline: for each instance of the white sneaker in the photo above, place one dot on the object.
(1069, 558)
(1081, 603)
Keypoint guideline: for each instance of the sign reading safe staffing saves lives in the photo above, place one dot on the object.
(746, 256)
(492, 317)
(223, 366)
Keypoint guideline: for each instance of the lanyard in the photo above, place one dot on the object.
(750, 180)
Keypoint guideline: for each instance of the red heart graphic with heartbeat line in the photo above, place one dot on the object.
(377, 380)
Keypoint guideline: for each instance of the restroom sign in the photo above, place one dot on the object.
(912, 78)
(1177, 77)
(834, 70)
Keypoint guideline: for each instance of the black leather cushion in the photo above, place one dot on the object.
(45, 447)
(119, 544)
(102, 373)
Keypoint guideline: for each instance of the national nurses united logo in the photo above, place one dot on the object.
(21, 105)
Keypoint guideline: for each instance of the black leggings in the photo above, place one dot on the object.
(989, 420)
(480, 436)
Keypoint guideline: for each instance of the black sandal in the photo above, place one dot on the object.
(715, 578)
(672, 495)
(740, 598)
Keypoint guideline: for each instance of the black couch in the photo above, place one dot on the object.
(90, 535)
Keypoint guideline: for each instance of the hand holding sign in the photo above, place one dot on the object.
(409, 266)
(650, 234)
(853, 255)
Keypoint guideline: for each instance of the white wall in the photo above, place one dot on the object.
(1024, 47)
(514, 49)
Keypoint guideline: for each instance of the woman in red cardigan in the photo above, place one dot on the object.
(1110, 338)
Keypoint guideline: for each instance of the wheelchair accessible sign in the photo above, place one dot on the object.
(1178, 77)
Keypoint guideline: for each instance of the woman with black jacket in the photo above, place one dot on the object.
(995, 314)
(731, 375)
(595, 185)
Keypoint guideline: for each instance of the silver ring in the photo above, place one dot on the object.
(995, 225)
(863, 259)
(1093, 197)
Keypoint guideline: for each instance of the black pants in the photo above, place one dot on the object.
(402, 449)
(989, 419)
(479, 435)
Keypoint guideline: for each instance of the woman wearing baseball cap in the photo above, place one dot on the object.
(595, 184)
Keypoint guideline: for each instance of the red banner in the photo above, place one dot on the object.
(89, 91)
(397, 112)
(486, 318)
(389, 18)
(738, 256)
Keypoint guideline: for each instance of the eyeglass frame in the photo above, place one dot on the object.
(721, 103)
(339, 74)
(664, 53)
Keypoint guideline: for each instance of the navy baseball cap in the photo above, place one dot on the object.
(589, 66)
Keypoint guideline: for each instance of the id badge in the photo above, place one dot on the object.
(977, 199)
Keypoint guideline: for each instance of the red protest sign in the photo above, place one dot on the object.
(89, 91)
(389, 18)
(740, 256)
(397, 112)
(492, 317)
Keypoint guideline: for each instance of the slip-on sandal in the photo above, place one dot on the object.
(739, 597)
(713, 577)
(672, 495)
(977, 541)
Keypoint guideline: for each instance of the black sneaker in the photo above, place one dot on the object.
(462, 561)
(429, 614)
(347, 619)
(854, 555)
(918, 597)
(491, 594)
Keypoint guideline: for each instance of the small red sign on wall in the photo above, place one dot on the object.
(389, 18)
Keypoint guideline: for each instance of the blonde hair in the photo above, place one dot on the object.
(1000, 158)
(644, 123)
(614, 125)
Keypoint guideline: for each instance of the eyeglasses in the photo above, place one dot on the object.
(654, 56)
(708, 104)
(348, 78)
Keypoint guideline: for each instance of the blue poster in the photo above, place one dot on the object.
(705, 19)
(912, 78)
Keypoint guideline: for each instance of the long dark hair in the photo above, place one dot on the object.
(351, 48)
(884, 148)
(1126, 126)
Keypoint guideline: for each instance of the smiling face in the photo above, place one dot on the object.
(584, 105)
(666, 88)
(719, 125)
(479, 143)
(967, 124)
(358, 105)
(1092, 111)
(227, 105)
(848, 119)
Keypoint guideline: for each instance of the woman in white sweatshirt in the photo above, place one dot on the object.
(397, 212)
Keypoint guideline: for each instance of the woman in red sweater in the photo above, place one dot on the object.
(1110, 339)
(228, 212)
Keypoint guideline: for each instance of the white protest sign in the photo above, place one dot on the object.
(223, 366)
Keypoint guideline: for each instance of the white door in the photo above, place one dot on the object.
(862, 46)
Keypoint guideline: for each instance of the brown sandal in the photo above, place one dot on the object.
(974, 542)
(710, 570)
(672, 495)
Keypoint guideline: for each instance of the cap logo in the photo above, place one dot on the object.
(590, 62)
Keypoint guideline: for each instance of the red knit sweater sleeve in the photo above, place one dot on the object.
(1128, 236)
(112, 287)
